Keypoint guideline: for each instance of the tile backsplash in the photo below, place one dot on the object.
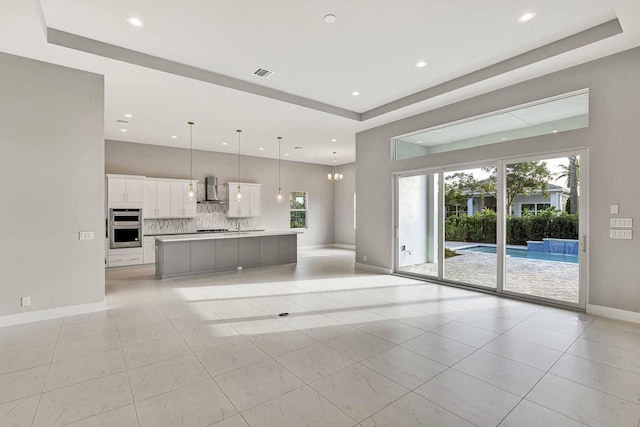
(210, 216)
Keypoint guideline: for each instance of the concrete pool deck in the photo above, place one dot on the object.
(542, 278)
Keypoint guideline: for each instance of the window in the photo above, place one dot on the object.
(534, 208)
(298, 209)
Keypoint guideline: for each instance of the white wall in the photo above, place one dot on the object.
(51, 185)
(166, 162)
(413, 215)
(613, 140)
(344, 232)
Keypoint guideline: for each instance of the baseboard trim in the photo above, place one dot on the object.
(341, 246)
(614, 313)
(306, 248)
(373, 268)
(51, 313)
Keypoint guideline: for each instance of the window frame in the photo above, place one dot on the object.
(305, 210)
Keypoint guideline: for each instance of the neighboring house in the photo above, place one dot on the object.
(534, 203)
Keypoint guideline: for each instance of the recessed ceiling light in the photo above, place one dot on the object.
(286, 154)
(419, 142)
(128, 115)
(526, 17)
(504, 139)
(554, 131)
(174, 137)
(355, 93)
(225, 143)
(261, 148)
(421, 64)
(136, 22)
(334, 140)
(438, 130)
(329, 18)
(123, 130)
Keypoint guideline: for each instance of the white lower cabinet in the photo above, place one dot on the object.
(149, 247)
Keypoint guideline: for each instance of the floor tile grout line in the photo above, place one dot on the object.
(35, 413)
(133, 401)
(304, 383)
(547, 372)
(205, 369)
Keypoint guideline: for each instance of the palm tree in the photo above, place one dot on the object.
(571, 173)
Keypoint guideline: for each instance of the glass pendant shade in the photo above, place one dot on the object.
(238, 194)
(334, 175)
(279, 196)
(191, 195)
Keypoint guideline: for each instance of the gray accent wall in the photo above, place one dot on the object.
(168, 162)
(51, 185)
(613, 141)
(344, 233)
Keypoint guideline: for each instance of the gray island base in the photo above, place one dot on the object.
(189, 255)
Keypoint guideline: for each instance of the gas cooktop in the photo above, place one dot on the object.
(214, 230)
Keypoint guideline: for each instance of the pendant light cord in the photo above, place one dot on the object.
(239, 131)
(279, 162)
(191, 138)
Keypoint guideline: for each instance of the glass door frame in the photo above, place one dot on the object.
(501, 225)
(583, 227)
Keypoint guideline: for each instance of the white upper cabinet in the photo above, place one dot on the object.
(181, 206)
(254, 199)
(150, 204)
(249, 204)
(166, 198)
(163, 198)
(124, 189)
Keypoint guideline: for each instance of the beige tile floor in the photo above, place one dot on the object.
(358, 349)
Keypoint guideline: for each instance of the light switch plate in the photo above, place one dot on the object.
(621, 222)
(25, 301)
(621, 234)
(86, 235)
(614, 209)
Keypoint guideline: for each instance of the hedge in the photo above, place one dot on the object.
(482, 228)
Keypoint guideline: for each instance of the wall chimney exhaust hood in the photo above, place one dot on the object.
(212, 193)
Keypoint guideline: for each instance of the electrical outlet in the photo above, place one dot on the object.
(364, 258)
(86, 235)
(25, 301)
(614, 209)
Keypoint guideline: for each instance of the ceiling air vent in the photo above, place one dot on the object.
(122, 121)
(261, 72)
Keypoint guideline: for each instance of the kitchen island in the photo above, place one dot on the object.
(194, 254)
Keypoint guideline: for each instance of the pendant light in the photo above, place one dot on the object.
(191, 195)
(279, 194)
(238, 196)
(334, 175)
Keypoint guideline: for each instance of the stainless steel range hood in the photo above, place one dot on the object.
(212, 195)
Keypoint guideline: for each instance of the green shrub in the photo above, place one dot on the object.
(482, 227)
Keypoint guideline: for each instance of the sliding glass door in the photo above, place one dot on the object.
(470, 226)
(543, 227)
(515, 226)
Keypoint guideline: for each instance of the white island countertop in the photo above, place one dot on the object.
(225, 235)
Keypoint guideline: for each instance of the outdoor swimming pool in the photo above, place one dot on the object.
(523, 253)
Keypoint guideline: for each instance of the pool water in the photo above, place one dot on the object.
(523, 253)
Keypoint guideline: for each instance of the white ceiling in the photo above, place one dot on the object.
(371, 48)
